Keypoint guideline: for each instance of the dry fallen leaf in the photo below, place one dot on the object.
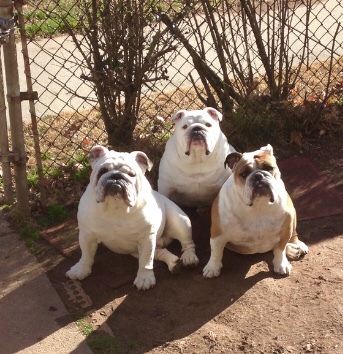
(296, 137)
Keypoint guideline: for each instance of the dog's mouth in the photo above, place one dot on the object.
(197, 137)
(116, 186)
(261, 186)
(262, 189)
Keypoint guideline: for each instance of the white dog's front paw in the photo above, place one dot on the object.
(79, 271)
(283, 267)
(212, 270)
(145, 281)
(189, 258)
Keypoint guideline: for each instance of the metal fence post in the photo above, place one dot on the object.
(14, 109)
(4, 147)
(31, 98)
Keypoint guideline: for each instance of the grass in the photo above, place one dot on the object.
(32, 178)
(104, 343)
(30, 235)
(99, 342)
(54, 214)
(48, 19)
(85, 327)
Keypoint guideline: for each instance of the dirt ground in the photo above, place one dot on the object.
(247, 309)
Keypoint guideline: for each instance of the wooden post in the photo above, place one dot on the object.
(15, 113)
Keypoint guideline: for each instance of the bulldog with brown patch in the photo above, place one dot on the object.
(253, 213)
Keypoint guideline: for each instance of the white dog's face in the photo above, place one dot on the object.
(117, 175)
(197, 129)
(255, 174)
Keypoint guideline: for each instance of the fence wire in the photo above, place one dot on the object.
(302, 39)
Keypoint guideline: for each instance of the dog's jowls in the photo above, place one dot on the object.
(253, 213)
(120, 209)
(192, 169)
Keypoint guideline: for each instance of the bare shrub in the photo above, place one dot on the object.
(259, 46)
(123, 49)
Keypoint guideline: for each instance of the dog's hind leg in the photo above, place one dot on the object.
(295, 248)
(178, 227)
(172, 261)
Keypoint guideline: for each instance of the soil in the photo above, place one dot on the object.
(247, 309)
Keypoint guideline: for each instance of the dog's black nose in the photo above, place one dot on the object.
(197, 129)
(258, 176)
(115, 176)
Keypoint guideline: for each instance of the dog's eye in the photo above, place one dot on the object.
(185, 126)
(102, 171)
(268, 168)
(245, 174)
(208, 125)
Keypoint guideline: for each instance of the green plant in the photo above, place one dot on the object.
(81, 175)
(85, 327)
(29, 235)
(46, 156)
(5, 207)
(104, 343)
(53, 172)
(48, 19)
(54, 214)
(79, 168)
(32, 178)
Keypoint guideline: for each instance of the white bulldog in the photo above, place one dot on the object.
(253, 213)
(120, 209)
(192, 167)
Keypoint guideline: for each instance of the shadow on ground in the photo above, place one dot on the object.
(181, 306)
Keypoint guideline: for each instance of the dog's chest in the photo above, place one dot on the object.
(119, 231)
(198, 183)
(258, 233)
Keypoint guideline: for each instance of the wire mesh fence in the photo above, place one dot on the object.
(233, 55)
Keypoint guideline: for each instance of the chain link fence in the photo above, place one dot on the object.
(233, 55)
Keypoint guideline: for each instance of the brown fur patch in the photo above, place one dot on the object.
(290, 208)
(288, 230)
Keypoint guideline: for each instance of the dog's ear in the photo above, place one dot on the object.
(96, 152)
(216, 115)
(142, 160)
(232, 159)
(178, 115)
(268, 149)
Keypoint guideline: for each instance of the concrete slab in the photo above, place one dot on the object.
(33, 317)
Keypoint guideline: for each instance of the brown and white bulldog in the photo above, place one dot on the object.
(253, 213)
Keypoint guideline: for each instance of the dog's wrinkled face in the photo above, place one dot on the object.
(117, 175)
(197, 129)
(255, 174)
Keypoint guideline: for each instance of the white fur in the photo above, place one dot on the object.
(141, 229)
(188, 174)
